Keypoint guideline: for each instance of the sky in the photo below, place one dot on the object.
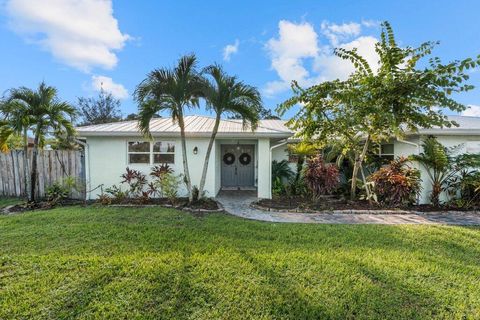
(80, 46)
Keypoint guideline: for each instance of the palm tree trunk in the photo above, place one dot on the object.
(356, 168)
(33, 174)
(25, 164)
(207, 156)
(181, 124)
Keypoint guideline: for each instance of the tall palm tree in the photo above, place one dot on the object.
(225, 94)
(171, 90)
(39, 111)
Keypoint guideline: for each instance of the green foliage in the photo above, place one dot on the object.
(443, 164)
(113, 194)
(376, 105)
(157, 263)
(103, 109)
(40, 111)
(281, 171)
(56, 192)
(169, 185)
(396, 184)
(171, 91)
(464, 189)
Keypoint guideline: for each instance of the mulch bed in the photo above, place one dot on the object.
(302, 204)
(200, 206)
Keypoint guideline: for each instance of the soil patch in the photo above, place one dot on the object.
(302, 204)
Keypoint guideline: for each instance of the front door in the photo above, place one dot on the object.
(238, 168)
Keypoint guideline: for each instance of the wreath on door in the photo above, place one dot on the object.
(229, 158)
(245, 159)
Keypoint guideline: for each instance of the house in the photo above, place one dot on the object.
(466, 136)
(240, 158)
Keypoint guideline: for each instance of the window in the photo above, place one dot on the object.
(142, 152)
(164, 152)
(387, 152)
(138, 152)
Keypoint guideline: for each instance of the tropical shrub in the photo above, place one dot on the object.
(115, 193)
(135, 181)
(443, 165)
(158, 170)
(397, 183)
(56, 192)
(464, 189)
(281, 170)
(321, 178)
(169, 185)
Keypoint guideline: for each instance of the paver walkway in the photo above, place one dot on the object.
(238, 203)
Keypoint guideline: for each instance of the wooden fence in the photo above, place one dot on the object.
(53, 166)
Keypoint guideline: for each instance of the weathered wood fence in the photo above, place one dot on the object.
(53, 166)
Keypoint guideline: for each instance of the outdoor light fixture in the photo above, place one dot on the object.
(195, 150)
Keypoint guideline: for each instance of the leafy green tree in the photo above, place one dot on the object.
(171, 90)
(39, 111)
(227, 95)
(102, 109)
(15, 122)
(443, 164)
(378, 104)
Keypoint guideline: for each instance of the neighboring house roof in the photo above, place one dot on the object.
(194, 126)
(466, 126)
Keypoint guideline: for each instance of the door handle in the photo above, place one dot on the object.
(235, 170)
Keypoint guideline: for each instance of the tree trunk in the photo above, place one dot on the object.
(207, 156)
(33, 174)
(25, 164)
(181, 124)
(356, 168)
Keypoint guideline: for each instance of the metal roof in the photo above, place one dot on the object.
(194, 126)
(203, 126)
(466, 126)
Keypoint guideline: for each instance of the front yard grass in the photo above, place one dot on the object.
(8, 201)
(160, 263)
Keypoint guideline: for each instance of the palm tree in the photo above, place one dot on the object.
(171, 90)
(39, 111)
(225, 94)
(442, 165)
(16, 122)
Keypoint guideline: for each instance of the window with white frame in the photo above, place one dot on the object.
(164, 152)
(386, 152)
(139, 152)
(144, 152)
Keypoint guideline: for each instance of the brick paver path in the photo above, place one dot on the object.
(238, 203)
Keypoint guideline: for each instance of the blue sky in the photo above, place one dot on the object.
(77, 44)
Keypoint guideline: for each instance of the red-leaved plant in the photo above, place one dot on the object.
(321, 178)
(397, 183)
(159, 170)
(135, 180)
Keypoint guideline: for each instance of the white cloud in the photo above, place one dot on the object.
(297, 54)
(337, 32)
(230, 49)
(472, 111)
(80, 33)
(116, 89)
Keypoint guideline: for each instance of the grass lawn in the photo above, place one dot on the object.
(9, 201)
(153, 263)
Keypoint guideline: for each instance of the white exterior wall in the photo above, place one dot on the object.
(108, 159)
(403, 149)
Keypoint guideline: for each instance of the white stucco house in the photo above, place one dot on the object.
(240, 159)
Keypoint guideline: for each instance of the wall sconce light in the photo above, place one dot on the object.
(195, 150)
